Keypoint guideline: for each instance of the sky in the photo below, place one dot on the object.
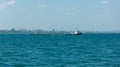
(85, 15)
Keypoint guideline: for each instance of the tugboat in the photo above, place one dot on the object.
(76, 33)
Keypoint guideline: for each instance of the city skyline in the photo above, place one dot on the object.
(86, 15)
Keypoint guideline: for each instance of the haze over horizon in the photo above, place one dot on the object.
(86, 15)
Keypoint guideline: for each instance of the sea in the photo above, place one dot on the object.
(87, 50)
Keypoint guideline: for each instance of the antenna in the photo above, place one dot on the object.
(76, 29)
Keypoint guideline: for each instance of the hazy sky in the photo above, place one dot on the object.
(86, 15)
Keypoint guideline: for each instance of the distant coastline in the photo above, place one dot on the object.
(25, 31)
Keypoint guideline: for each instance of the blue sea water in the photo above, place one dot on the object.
(87, 50)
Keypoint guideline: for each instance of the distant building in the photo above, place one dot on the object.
(12, 30)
